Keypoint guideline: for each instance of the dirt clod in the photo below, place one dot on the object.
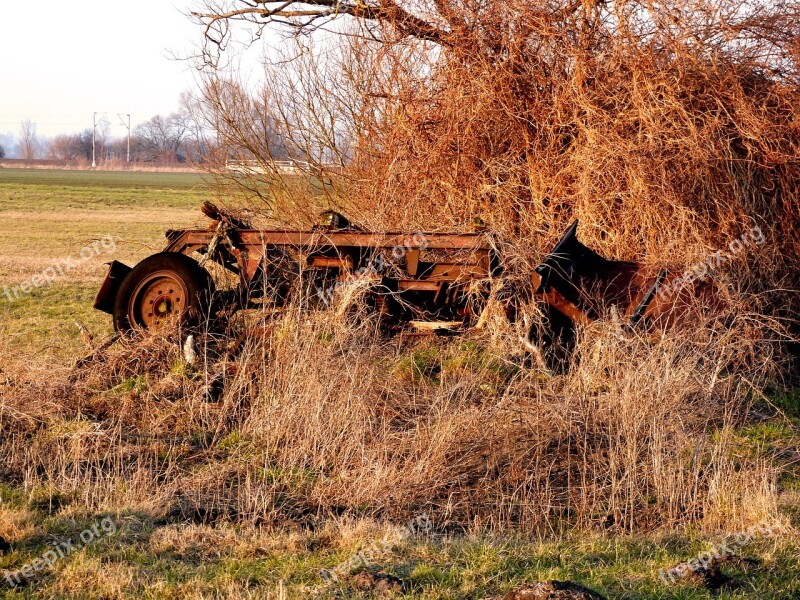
(380, 582)
(552, 590)
(714, 579)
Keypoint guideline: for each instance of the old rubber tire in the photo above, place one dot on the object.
(162, 286)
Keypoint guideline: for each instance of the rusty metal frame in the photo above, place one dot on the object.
(429, 285)
(573, 280)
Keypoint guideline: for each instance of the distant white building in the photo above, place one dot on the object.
(282, 167)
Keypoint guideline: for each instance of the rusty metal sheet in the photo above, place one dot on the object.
(583, 286)
(104, 301)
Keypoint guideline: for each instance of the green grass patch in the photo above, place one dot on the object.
(422, 364)
(49, 216)
(179, 559)
(788, 401)
(42, 324)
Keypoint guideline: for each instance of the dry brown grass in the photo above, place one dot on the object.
(320, 416)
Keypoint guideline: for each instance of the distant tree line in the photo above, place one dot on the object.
(195, 133)
(163, 139)
(179, 137)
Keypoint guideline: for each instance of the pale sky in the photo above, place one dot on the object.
(60, 61)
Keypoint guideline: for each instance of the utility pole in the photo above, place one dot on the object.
(129, 133)
(94, 139)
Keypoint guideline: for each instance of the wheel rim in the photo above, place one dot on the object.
(160, 296)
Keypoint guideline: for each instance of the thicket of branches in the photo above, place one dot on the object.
(668, 128)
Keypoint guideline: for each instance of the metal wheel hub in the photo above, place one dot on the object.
(157, 298)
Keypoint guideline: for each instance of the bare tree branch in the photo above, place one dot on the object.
(305, 14)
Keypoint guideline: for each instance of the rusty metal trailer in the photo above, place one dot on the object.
(443, 280)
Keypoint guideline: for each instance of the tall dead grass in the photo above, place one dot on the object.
(320, 416)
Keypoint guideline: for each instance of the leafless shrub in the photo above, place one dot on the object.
(668, 129)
